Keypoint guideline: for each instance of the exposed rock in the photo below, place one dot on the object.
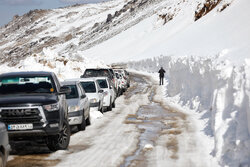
(206, 8)
(224, 7)
(109, 18)
(68, 37)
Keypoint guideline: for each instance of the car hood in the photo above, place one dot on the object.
(92, 96)
(72, 102)
(11, 100)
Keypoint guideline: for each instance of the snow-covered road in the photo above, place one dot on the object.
(141, 131)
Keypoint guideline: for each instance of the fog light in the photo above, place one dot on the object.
(54, 125)
(76, 119)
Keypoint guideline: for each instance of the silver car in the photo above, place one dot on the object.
(4, 145)
(79, 108)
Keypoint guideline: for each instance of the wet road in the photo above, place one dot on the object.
(152, 121)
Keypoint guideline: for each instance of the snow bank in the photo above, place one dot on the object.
(65, 67)
(219, 91)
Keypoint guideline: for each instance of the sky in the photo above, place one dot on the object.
(9, 8)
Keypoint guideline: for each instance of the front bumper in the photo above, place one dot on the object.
(94, 104)
(50, 129)
(75, 118)
(43, 123)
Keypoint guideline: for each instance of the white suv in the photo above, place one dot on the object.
(109, 92)
(93, 92)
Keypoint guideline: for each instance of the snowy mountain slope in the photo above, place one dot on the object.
(72, 29)
(227, 30)
(40, 28)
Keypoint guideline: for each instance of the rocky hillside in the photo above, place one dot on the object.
(68, 31)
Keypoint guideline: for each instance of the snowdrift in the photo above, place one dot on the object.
(220, 92)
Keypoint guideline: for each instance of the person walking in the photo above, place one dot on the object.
(161, 71)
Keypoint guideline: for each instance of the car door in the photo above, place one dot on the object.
(101, 96)
(83, 100)
(111, 89)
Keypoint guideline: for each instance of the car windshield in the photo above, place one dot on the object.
(74, 93)
(89, 87)
(102, 83)
(22, 85)
(96, 73)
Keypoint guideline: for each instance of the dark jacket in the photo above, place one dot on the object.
(161, 71)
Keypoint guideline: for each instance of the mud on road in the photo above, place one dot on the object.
(153, 120)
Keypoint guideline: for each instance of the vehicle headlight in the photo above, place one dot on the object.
(74, 108)
(51, 107)
(94, 100)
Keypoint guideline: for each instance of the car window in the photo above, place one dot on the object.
(89, 87)
(102, 83)
(23, 85)
(73, 94)
(81, 89)
(97, 73)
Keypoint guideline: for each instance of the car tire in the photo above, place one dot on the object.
(119, 92)
(82, 126)
(1, 159)
(88, 122)
(101, 108)
(61, 140)
(113, 104)
(110, 105)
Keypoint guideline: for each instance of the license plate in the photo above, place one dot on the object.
(20, 126)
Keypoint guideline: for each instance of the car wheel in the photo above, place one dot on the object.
(101, 108)
(61, 140)
(113, 104)
(110, 105)
(88, 122)
(82, 126)
(1, 159)
(119, 92)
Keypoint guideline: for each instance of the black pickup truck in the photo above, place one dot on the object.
(33, 106)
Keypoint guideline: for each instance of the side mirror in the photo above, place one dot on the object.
(100, 91)
(83, 96)
(64, 90)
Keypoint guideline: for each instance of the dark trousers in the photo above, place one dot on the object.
(161, 80)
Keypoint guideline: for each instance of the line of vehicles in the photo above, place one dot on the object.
(35, 106)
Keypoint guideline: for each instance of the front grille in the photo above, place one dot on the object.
(21, 116)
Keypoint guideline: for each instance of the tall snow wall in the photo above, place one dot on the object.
(222, 91)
